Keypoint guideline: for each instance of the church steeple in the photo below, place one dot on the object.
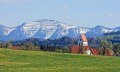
(79, 42)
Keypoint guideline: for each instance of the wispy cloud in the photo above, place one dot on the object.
(94, 0)
(67, 17)
(113, 15)
(110, 15)
(4, 1)
(64, 8)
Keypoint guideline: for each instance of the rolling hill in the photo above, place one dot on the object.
(38, 61)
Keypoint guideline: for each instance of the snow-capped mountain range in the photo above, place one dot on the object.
(50, 29)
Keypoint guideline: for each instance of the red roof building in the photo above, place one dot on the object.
(75, 49)
(83, 47)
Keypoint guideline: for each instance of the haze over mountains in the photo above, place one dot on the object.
(50, 29)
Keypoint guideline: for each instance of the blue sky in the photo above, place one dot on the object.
(86, 13)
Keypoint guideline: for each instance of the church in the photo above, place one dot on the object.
(83, 47)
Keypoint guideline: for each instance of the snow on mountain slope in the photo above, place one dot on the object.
(52, 29)
(98, 31)
(117, 29)
(24, 31)
(43, 29)
(4, 31)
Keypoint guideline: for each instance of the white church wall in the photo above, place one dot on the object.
(85, 43)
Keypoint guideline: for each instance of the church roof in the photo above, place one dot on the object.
(83, 37)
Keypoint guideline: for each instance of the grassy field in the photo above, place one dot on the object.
(38, 61)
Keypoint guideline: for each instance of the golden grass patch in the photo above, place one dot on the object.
(9, 63)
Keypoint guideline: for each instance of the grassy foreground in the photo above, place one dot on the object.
(38, 61)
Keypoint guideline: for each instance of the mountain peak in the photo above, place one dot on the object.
(2, 25)
(47, 20)
(53, 29)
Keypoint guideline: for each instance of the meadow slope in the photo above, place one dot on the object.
(38, 61)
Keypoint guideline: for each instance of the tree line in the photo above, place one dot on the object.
(62, 45)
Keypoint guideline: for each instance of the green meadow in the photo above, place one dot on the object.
(39, 61)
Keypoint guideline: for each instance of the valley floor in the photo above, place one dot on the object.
(38, 61)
